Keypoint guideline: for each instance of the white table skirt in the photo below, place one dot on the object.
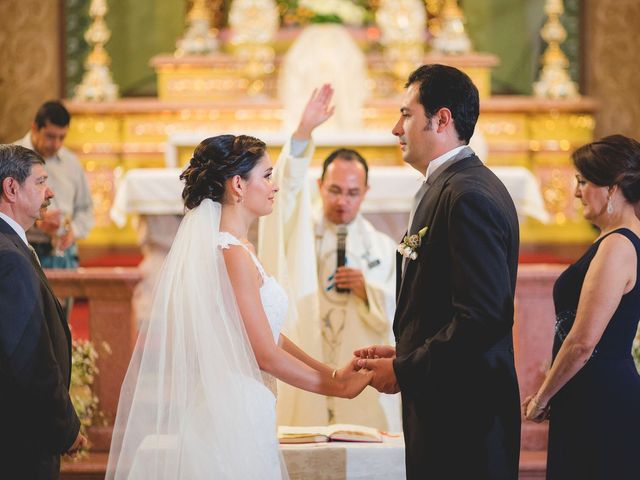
(326, 461)
(345, 461)
(157, 191)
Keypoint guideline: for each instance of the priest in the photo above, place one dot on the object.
(339, 271)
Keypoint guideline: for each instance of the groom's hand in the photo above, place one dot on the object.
(376, 351)
(384, 377)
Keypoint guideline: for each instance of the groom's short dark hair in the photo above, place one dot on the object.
(442, 86)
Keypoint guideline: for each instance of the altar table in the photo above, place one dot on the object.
(154, 195)
(326, 461)
(157, 191)
(345, 461)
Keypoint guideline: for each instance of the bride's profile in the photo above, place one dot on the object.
(198, 400)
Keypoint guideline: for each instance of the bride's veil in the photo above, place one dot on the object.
(193, 404)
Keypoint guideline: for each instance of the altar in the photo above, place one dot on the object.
(151, 192)
(238, 77)
(153, 197)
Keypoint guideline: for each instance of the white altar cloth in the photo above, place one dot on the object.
(346, 461)
(157, 191)
(326, 461)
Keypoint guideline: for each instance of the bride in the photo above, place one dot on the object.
(198, 400)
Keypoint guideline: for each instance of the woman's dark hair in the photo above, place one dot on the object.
(613, 160)
(214, 161)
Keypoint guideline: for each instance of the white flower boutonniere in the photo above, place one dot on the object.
(410, 244)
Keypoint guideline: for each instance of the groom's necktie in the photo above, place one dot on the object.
(416, 201)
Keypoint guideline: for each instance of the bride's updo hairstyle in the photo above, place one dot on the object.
(613, 160)
(214, 161)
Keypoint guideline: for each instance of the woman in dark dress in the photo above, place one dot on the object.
(592, 391)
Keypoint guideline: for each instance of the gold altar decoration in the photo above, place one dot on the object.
(402, 31)
(254, 24)
(554, 79)
(97, 84)
(433, 8)
(452, 38)
(200, 38)
(210, 93)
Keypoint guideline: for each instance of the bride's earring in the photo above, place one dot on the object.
(609, 206)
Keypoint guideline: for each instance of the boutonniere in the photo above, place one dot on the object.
(410, 244)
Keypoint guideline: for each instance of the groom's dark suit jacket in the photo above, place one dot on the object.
(37, 419)
(453, 325)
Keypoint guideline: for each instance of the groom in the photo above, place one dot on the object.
(456, 277)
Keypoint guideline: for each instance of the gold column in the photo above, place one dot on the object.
(452, 37)
(554, 79)
(200, 38)
(402, 24)
(96, 83)
(254, 24)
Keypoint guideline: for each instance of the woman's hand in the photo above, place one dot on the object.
(351, 381)
(535, 410)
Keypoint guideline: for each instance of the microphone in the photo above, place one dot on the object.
(341, 251)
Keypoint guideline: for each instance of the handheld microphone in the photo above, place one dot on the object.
(341, 252)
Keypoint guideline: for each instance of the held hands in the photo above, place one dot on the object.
(378, 359)
(534, 410)
(353, 380)
(316, 112)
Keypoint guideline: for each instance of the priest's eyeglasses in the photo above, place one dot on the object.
(351, 194)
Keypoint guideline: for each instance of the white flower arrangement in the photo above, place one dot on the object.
(407, 248)
(83, 371)
(344, 10)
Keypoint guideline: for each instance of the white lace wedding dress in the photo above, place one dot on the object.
(194, 404)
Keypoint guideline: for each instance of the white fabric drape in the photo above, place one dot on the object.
(193, 404)
(324, 53)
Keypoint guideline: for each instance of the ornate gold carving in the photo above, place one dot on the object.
(554, 79)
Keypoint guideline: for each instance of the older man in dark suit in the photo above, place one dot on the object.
(37, 419)
(453, 360)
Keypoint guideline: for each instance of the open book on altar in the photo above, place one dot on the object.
(338, 432)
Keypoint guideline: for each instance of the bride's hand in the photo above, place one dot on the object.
(352, 381)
